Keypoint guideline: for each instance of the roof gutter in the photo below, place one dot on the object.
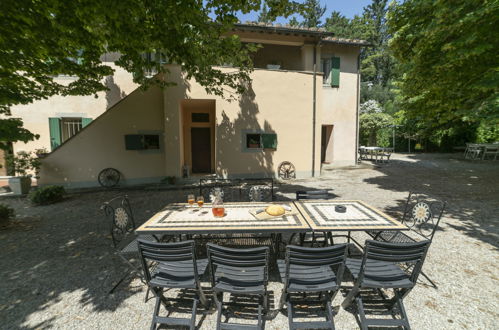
(282, 29)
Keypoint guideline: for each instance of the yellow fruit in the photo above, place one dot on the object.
(275, 210)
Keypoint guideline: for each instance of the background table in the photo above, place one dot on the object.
(180, 219)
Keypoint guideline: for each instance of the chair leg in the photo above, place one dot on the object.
(155, 313)
(284, 297)
(193, 315)
(260, 321)
(429, 280)
(351, 296)
(329, 314)
(290, 315)
(362, 314)
(219, 313)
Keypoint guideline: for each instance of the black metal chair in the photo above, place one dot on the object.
(172, 266)
(312, 238)
(422, 215)
(239, 272)
(118, 213)
(379, 269)
(312, 270)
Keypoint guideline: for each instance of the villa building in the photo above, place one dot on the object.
(301, 107)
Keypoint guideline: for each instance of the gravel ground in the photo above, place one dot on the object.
(57, 262)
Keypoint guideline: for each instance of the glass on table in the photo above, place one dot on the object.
(190, 199)
(200, 201)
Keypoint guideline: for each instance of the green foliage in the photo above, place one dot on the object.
(448, 53)
(294, 22)
(43, 39)
(372, 120)
(47, 195)
(169, 180)
(23, 163)
(263, 16)
(11, 130)
(312, 13)
(6, 213)
(377, 92)
(488, 132)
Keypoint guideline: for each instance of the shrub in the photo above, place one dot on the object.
(47, 195)
(5, 213)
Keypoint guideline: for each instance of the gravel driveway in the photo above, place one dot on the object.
(57, 261)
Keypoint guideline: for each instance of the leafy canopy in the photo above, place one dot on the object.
(42, 39)
(449, 54)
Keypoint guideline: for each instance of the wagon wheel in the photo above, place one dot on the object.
(109, 177)
(286, 171)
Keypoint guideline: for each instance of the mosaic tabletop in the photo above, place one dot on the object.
(322, 216)
(182, 218)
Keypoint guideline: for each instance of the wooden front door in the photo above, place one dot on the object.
(198, 118)
(201, 149)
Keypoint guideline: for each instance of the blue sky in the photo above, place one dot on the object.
(349, 8)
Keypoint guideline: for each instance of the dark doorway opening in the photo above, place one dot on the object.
(201, 149)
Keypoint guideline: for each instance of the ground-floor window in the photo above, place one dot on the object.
(261, 141)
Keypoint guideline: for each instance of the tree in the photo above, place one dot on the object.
(11, 130)
(377, 64)
(312, 14)
(339, 25)
(372, 119)
(263, 16)
(449, 55)
(294, 22)
(42, 39)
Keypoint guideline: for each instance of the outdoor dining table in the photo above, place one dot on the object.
(181, 218)
(305, 216)
(323, 216)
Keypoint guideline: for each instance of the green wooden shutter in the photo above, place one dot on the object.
(335, 72)
(134, 142)
(269, 141)
(85, 122)
(55, 132)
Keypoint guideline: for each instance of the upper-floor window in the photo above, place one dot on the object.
(63, 128)
(326, 70)
(330, 67)
(69, 128)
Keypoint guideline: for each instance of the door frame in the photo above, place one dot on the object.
(188, 124)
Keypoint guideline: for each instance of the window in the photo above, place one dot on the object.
(69, 128)
(62, 129)
(200, 117)
(331, 71)
(141, 141)
(326, 69)
(151, 141)
(261, 141)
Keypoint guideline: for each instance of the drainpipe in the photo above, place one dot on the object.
(314, 109)
(357, 112)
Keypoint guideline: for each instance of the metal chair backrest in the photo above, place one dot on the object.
(331, 256)
(396, 253)
(154, 252)
(118, 213)
(422, 214)
(238, 258)
(312, 194)
(238, 190)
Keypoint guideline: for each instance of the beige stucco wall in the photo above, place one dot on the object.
(35, 115)
(339, 106)
(77, 162)
(278, 102)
